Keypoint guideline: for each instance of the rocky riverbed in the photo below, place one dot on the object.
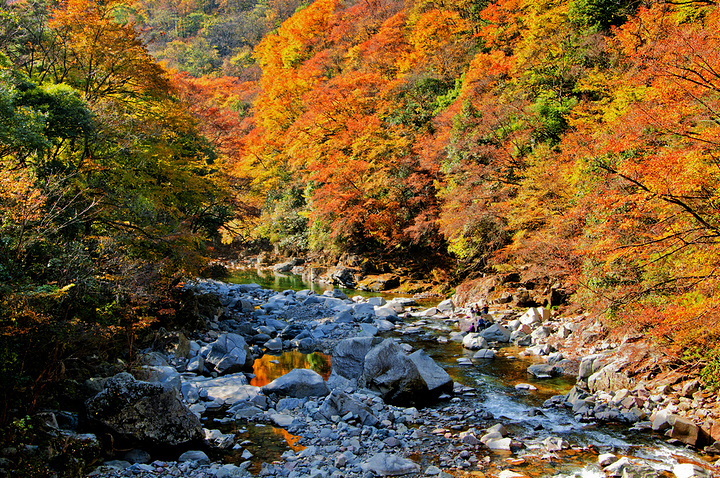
(385, 409)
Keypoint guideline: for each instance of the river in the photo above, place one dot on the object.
(519, 410)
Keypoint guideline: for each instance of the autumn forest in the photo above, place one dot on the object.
(580, 138)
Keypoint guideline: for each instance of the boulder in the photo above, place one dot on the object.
(609, 379)
(232, 389)
(689, 433)
(543, 370)
(386, 464)
(298, 383)
(535, 315)
(197, 456)
(390, 372)
(435, 377)
(339, 403)
(230, 354)
(348, 356)
(446, 306)
(143, 412)
(474, 341)
(690, 470)
(485, 354)
(496, 333)
(166, 376)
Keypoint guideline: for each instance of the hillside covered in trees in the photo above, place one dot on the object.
(577, 137)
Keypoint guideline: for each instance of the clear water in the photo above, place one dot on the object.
(520, 411)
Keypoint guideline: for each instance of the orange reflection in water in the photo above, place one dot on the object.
(290, 439)
(269, 367)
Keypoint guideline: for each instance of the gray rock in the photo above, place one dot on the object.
(298, 383)
(166, 376)
(229, 354)
(229, 388)
(143, 412)
(137, 456)
(542, 370)
(340, 404)
(196, 365)
(274, 345)
(194, 455)
(390, 372)
(474, 341)
(535, 315)
(435, 377)
(486, 354)
(365, 309)
(348, 357)
(386, 464)
(496, 333)
(446, 306)
(609, 378)
(555, 444)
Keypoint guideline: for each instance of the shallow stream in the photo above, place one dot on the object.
(519, 410)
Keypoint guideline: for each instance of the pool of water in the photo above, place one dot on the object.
(270, 279)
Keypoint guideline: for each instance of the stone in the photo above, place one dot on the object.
(298, 383)
(535, 315)
(282, 420)
(496, 333)
(586, 367)
(386, 464)
(274, 345)
(510, 474)
(230, 354)
(166, 376)
(555, 444)
(541, 370)
(390, 372)
(339, 403)
(474, 341)
(143, 412)
(194, 455)
(498, 443)
(486, 354)
(690, 387)
(229, 388)
(687, 432)
(690, 470)
(446, 306)
(348, 356)
(196, 365)
(606, 459)
(403, 380)
(662, 420)
(616, 468)
(137, 456)
(609, 378)
(436, 379)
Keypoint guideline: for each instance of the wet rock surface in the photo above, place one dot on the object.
(362, 422)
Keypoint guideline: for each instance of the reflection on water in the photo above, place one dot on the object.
(266, 443)
(269, 279)
(269, 367)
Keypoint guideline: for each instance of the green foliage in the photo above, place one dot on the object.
(287, 225)
(597, 14)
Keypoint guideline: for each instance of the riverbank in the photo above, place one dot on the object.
(465, 436)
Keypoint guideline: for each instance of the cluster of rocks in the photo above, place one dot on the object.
(367, 417)
(276, 321)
